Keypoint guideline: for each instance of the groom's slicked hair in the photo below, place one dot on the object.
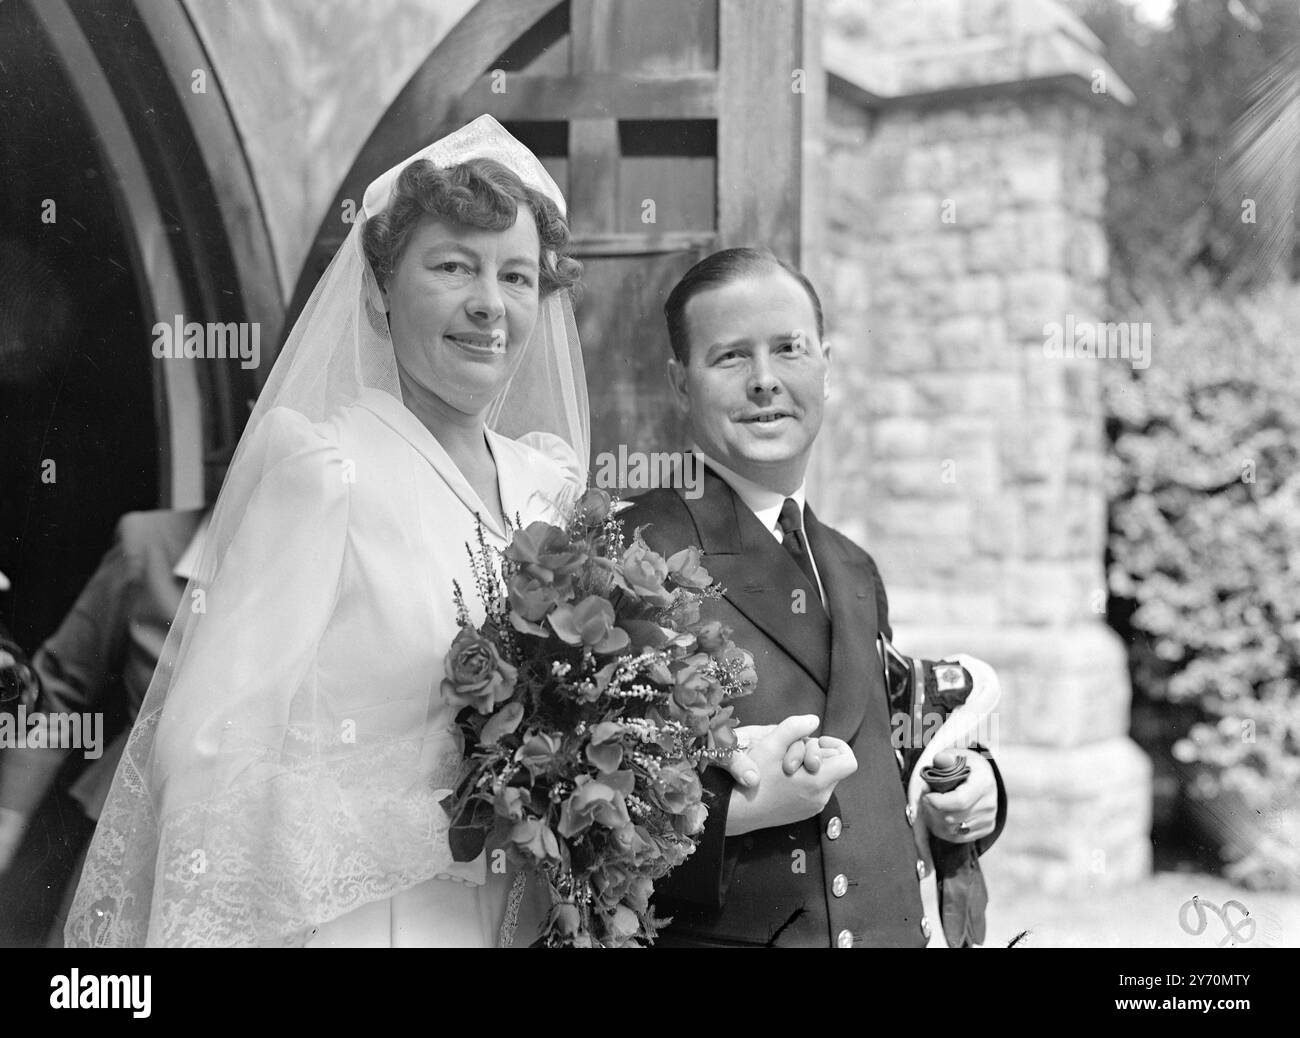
(725, 268)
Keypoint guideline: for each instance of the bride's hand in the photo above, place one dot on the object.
(803, 752)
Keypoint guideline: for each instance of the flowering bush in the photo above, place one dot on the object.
(591, 697)
(1205, 543)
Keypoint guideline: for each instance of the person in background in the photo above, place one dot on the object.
(15, 684)
(107, 646)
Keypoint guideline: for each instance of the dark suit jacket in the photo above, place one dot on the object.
(110, 641)
(848, 877)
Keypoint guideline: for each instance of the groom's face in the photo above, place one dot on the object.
(756, 381)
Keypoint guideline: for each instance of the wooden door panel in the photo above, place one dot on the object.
(672, 164)
(651, 39)
(625, 344)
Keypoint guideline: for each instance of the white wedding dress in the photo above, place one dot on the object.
(370, 616)
(269, 798)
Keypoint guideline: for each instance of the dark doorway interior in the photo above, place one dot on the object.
(78, 436)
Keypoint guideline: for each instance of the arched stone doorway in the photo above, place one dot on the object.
(184, 197)
(122, 206)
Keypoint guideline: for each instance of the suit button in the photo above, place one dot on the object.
(833, 828)
(920, 869)
(840, 885)
(925, 927)
(844, 939)
(910, 814)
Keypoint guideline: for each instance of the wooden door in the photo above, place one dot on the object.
(675, 128)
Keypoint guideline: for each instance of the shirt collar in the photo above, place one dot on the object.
(188, 564)
(764, 503)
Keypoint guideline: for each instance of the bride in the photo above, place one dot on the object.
(281, 785)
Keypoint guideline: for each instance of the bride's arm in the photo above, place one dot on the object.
(570, 480)
(278, 543)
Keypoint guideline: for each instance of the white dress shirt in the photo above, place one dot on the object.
(766, 506)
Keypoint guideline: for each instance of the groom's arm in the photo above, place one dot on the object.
(796, 777)
(704, 877)
(882, 614)
(982, 845)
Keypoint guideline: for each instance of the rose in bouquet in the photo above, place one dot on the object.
(591, 699)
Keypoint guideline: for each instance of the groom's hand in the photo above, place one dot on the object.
(969, 812)
(783, 795)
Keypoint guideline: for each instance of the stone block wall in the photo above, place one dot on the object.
(963, 215)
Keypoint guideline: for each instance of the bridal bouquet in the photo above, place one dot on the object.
(592, 697)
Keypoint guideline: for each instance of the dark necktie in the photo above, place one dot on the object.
(792, 539)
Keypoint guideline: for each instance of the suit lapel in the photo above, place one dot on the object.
(759, 577)
(856, 674)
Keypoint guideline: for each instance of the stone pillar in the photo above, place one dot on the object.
(964, 203)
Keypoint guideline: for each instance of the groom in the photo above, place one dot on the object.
(813, 846)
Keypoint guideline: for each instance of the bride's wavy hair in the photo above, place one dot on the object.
(479, 193)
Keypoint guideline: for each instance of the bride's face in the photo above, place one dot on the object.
(462, 303)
